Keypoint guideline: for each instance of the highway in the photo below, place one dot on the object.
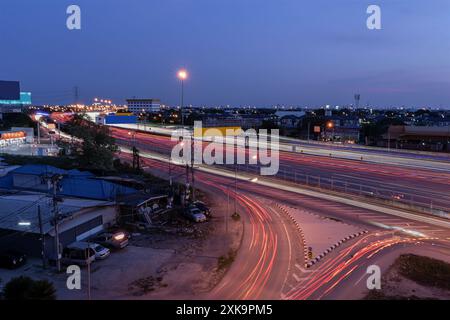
(427, 188)
(407, 158)
(270, 263)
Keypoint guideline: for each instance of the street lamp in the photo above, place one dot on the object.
(330, 125)
(182, 75)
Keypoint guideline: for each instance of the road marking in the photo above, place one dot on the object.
(299, 267)
(318, 195)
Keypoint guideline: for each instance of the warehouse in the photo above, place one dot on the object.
(26, 216)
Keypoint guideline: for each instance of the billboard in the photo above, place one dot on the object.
(116, 119)
(9, 90)
(217, 132)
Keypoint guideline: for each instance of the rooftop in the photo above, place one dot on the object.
(20, 211)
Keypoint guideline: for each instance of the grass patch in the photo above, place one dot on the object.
(425, 271)
(225, 261)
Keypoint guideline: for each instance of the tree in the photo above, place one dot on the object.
(42, 290)
(25, 288)
(18, 288)
(98, 146)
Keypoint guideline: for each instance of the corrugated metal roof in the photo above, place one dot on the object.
(75, 183)
(38, 169)
(23, 208)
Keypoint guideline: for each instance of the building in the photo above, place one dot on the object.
(417, 138)
(12, 100)
(13, 137)
(86, 205)
(290, 122)
(138, 106)
(344, 129)
(26, 216)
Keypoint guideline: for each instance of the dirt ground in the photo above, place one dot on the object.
(192, 269)
(175, 261)
(396, 286)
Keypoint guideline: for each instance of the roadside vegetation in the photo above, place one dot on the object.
(426, 272)
(98, 147)
(225, 261)
(16, 120)
(25, 288)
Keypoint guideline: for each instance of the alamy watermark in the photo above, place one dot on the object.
(228, 146)
(73, 21)
(374, 20)
(374, 280)
(74, 279)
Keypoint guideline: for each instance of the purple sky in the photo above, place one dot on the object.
(238, 52)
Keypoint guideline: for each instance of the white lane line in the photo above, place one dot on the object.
(319, 195)
(299, 267)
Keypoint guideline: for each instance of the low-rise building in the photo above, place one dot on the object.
(32, 202)
(142, 106)
(417, 138)
(27, 221)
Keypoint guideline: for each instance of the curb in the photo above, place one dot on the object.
(309, 263)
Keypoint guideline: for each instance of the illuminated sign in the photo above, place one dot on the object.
(217, 132)
(13, 135)
(25, 99)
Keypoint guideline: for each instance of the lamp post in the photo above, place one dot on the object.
(330, 125)
(182, 75)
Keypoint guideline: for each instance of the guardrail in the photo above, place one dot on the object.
(403, 200)
(389, 196)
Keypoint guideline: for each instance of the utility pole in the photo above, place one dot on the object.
(55, 180)
(389, 140)
(88, 253)
(228, 212)
(192, 167)
(41, 231)
(309, 128)
(76, 94)
(39, 132)
(235, 188)
(182, 103)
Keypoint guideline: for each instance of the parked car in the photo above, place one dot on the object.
(12, 259)
(116, 240)
(78, 254)
(118, 230)
(202, 207)
(100, 252)
(194, 214)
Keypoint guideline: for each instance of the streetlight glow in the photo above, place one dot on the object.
(182, 74)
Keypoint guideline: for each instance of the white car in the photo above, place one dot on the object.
(195, 215)
(100, 251)
(96, 250)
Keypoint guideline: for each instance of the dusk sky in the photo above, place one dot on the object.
(238, 52)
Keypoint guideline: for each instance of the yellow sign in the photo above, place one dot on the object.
(124, 114)
(217, 132)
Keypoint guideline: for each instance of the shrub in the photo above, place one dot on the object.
(25, 288)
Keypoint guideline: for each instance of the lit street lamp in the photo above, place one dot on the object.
(182, 75)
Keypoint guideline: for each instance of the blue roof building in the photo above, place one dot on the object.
(74, 183)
